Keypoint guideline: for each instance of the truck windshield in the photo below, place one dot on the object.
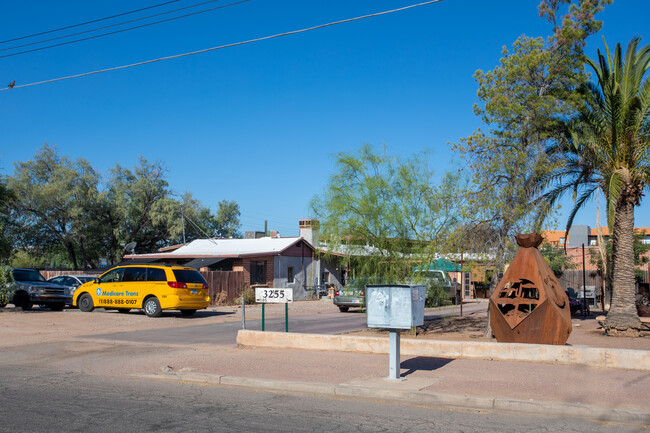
(27, 275)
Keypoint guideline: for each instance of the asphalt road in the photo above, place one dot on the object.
(225, 334)
(38, 399)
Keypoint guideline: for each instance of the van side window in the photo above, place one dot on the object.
(156, 274)
(112, 276)
(134, 274)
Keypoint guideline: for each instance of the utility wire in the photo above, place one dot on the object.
(117, 31)
(110, 26)
(89, 22)
(293, 32)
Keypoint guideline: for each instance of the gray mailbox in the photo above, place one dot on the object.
(395, 306)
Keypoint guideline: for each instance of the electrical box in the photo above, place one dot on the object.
(395, 306)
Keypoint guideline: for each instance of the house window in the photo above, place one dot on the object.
(562, 240)
(290, 274)
(593, 242)
(258, 272)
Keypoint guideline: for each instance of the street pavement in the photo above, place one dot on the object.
(189, 352)
(40, 400)
(599, 394)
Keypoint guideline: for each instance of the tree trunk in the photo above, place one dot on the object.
(622, 318)
(71, 254)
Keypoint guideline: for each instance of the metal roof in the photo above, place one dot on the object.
(226, 248)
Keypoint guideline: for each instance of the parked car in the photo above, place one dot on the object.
(353, 294)
(71, 282)
(152, 287)
(32, 288)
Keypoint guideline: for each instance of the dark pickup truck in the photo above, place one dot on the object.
(31, 288)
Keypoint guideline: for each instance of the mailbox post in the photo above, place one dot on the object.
(395, 306)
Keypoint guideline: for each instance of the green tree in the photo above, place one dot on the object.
(556, 258)
(226, 223)
(52, 195)
(138, 206)
(385, 214)
(609, 151)
(640, 258)
(523, 103)
(188, 219)
(6, 198)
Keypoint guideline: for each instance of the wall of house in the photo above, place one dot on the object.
(303, 283)
(335, 271)
(244, 265)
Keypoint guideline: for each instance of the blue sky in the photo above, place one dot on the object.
(259, 124)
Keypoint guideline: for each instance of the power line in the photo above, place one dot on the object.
(117, 31)
(293, 32)
(89, 22)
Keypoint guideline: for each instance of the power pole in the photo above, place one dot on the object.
(183, 222)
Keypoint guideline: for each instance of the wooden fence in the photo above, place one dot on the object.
(573, 278)
(49, 273)
(230, 283)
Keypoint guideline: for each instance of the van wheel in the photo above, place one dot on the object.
(85, 303)
(151, 307)
(344, 309)
(188, 312)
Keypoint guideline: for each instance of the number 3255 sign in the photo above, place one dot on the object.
(267, 295)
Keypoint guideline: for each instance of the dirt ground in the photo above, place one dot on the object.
(39, 326)
(471, 327)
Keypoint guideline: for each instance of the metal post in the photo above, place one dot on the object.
(394, 364)
(243, 312)
(263, 316)
(584, 284)
(286, 317)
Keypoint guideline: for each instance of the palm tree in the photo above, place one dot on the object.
(609, 150)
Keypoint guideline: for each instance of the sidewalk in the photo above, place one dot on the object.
(604, 394)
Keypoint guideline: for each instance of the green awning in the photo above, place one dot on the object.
(439, 265)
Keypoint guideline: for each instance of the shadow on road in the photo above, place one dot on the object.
(176, 313)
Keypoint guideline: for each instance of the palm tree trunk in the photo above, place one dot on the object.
(622, 318)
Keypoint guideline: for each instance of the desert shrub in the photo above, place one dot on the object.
(249, 295)
(6, 285)
(436, 295)
(220, 298)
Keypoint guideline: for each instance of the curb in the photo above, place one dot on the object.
(568, 355)
(421, 398)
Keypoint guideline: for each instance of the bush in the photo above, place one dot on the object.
(436, 295)
(6, 285)
(249, 295)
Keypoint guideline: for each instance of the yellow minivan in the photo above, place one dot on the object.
(153, 288)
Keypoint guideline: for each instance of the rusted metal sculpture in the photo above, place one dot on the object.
(529, 304)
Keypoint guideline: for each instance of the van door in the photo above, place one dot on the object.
(109, 287)
(134, 284)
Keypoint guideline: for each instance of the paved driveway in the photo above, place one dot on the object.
(225, 334)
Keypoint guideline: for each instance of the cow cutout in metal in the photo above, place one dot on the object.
(529, 305)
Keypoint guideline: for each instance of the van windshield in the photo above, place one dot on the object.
(188, 276)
